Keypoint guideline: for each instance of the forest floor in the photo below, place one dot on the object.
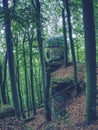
(75, 118)
(75, 108)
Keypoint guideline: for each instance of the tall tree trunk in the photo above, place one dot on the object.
(25, 73)
(77, 48)
(40, 88)
(90, 47)
(18, 78)
(3, 89)
(7, 22)
(65, 39)
(47, 103)
(31, 72)
(37, 84)
(39, 38)
(1, 95)
(7, 94)
(71, 39)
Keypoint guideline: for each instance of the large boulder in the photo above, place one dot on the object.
(60, 91)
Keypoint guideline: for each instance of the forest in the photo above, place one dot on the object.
(48, 65)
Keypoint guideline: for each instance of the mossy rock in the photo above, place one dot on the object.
(61, 91)
(6, 111)
(61, 82)
(53, 65)
(60, 85)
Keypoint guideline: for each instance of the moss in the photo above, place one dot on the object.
(65, 81)
(60, 84)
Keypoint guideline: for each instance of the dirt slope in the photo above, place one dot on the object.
(75, 107)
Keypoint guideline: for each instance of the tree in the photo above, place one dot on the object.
(71, 39)
(1, 98)
(64, 33)
(90, 47)
(39, 38)
(18, 76)
(9, 44)
(3, 84)
(25, 74)
(30, 38)
(65, 38)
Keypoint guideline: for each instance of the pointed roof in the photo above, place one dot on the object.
(54, 41)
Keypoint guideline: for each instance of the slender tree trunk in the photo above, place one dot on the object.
(7, 95)
(40, 88)
(18, 78)
(1, 95)
(3, 85)
(90, 47)
(37, 79)
(31, 72)
(71, 40)
(65, 39)
(78, 57)
(38, 83)
(37, 87)
(7, 22)
(47, 103)
(39, 38)
(25, 71)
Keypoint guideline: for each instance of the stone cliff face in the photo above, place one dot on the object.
(62, 88)
(60, 93)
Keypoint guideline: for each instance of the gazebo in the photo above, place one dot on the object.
(54, 48)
